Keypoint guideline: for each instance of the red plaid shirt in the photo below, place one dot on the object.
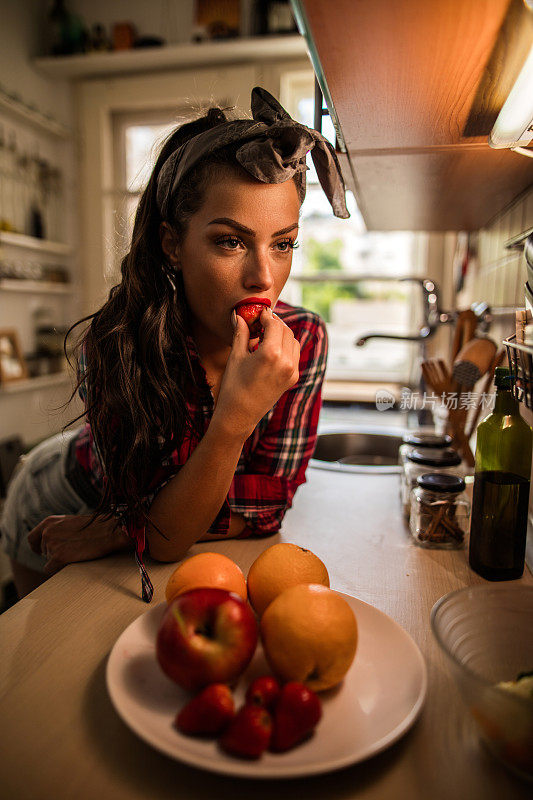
(273, 460)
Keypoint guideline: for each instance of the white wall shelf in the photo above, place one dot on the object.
(31, 384)
(32, 243)
(35, 287)
(256, 48)
(36, 118)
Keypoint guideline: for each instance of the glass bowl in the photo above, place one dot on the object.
(486, 633)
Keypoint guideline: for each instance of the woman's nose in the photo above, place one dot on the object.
(258, 272)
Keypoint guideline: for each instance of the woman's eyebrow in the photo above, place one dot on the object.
(237, 225)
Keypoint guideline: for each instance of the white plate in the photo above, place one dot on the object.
(378, 701)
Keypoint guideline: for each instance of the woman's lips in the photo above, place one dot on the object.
(264, 301)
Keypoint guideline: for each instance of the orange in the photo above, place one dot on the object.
(206, 569)
(280, 566)
(309, 634)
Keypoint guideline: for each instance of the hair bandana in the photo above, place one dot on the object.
(273, 150)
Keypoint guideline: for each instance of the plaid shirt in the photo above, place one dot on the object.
(273, 459)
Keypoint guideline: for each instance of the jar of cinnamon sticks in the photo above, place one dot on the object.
(439, 511)
(418, 462)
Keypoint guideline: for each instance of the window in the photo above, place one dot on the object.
(330, 246)
(137, 138)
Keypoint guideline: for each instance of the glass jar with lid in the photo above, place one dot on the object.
(419, 440)
(440, 511)
(446, 461)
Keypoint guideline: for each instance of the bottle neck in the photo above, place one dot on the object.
(505, 403)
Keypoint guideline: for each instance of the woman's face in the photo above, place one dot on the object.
(238, 245)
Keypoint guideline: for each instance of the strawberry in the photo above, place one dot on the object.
(248, 734)
(263, 691)
(297, 712)
(250, 312)
(208, 713)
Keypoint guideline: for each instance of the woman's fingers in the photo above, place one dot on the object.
(35, 535)
(241, 336)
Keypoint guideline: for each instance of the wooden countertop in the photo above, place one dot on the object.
(61, 738)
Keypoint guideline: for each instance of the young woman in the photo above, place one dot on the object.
(197, 428)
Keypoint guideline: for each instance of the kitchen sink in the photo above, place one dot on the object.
(362, 450)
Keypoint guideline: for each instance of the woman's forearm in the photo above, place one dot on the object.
(186, 507)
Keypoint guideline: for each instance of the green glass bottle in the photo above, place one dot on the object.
(498, 525)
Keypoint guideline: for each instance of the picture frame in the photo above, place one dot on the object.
(13, 366)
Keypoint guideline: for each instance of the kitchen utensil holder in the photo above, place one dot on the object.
(520, 357)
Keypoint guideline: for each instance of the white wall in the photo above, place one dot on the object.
(20, 42)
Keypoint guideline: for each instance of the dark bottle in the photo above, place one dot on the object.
(498, 525)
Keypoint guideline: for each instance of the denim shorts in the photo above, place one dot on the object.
(38, 489)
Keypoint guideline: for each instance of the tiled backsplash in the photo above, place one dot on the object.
(501, 273)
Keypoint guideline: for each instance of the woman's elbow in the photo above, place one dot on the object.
(163, 549)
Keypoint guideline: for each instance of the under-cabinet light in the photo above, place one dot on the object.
(514, 125)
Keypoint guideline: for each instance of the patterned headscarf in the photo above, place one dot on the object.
(273, 150)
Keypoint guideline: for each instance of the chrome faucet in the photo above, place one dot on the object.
(432, 314)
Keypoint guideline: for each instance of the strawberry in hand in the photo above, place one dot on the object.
(248, 734)
(208, 713)
(250, 310)
(298, 710)
(263, 691)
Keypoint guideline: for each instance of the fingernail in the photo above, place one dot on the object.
(234, 320)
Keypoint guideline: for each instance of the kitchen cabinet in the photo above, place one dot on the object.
(414, 88)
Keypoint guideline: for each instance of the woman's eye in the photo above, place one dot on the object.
(286, 245)
(229, 242)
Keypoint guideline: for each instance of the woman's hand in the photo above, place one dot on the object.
(253, 381)
(61, 540)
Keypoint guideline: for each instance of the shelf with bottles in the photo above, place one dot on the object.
(231, 51)
(32, 189)
(33, 272)
(520, 357)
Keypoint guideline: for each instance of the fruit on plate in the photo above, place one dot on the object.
(208, 713)
(309, 634)
(206, 636)
(277, 568)
(250, 310)
(248, 734)
(263, 691)
(298, 711)
(206, 569)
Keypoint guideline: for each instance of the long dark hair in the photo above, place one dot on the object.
(138, 374)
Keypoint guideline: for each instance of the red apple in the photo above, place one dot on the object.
(206, 636)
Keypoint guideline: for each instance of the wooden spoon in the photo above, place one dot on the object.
(437, 375)
(465, 329)
(473, 361)
(438, 378)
